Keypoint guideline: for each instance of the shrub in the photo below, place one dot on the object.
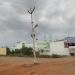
(8, 51)
(51, 56)
(27, 51)
(56, 56)
(45, 56)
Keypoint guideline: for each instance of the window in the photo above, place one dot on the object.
(23, 45)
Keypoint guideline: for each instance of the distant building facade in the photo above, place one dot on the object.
(43, 48)
(59, 48)
(49, 48)
(65, 46)
(70, 44)
(21, 44)
(3, 51)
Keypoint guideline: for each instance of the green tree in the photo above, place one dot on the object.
(12, 52)
(27, 51)
(17, 52)
(8, 51)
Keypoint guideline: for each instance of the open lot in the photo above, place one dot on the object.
(45, 66)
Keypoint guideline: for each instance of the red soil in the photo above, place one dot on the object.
(25, 66)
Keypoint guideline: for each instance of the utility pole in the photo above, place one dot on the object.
(31, 11)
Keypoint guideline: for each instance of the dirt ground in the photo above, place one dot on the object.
(47, 66)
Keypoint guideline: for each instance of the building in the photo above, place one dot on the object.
(3, 51)
(59, 48)
(70, 44)
(72, 50)
(49, 48)
(25, 44)
(21, 44)
(43, 48)
(64, 46)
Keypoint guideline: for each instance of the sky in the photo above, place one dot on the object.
(55, 18)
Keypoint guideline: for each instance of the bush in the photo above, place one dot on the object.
(56, 56)
(20, 52)
(12, 52)
(17, 52)
(72, 54)
(8, 51)
(51, 56)
(45, 56)
(27, 51)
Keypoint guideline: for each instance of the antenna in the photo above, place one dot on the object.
(31, 11)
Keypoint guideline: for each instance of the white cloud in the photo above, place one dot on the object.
(55, 16)
(25, 18)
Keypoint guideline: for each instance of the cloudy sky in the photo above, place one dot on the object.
(54, 17)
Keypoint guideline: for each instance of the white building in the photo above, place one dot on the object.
(47, 48)
(21, 44)
(25, 44)
(57, 47)
(43, 48)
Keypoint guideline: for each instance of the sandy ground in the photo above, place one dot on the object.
(25, 66)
